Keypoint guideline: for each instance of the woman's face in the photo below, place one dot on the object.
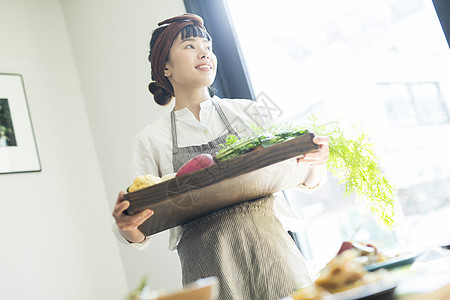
(191, 63)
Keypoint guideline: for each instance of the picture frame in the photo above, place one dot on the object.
(18, 149)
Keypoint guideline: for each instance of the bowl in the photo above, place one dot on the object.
(202, 289)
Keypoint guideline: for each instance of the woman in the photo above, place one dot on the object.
(245, 246)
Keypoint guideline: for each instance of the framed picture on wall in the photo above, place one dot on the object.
(18, 150)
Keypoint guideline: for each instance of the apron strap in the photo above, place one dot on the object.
(224, 118)
(174, 132)
(174, 125)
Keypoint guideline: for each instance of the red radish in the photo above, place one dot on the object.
(363, 248)
(345, 246)
(197, 163)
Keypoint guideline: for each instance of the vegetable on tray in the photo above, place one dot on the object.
(199, 162)
(235, 147)
(352, 161)
(144, 181)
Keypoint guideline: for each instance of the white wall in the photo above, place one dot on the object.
(110, 43)
(54, 225)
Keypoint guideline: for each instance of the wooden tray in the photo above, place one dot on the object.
(250, 176)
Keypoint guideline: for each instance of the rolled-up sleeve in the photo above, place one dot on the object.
(142, 163)
(316, 178)
(139, 246)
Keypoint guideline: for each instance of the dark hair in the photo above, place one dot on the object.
(161, 96)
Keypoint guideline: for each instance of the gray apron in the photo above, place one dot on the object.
(244, 245)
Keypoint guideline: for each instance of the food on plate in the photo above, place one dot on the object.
(199, 162)
(144, 181)
(367, 253)
(341, 272)
(344, 272)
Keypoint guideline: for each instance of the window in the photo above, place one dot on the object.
(382, 64)
(415, 103)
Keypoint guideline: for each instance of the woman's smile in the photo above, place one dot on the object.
(204, 67)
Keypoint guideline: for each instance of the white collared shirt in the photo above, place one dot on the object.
(152, 150)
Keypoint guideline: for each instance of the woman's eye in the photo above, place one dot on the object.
(190, 46)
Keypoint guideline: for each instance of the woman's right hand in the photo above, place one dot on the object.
(128, 225)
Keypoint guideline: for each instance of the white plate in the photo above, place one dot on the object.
(367, 291)
(393, 262)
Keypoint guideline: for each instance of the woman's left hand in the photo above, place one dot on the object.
(317, 157)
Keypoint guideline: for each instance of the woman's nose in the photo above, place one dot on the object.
(204, 54)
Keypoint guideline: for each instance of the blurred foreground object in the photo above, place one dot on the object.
(202, 289)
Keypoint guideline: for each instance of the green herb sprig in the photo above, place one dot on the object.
(235, 147)
(352, 161)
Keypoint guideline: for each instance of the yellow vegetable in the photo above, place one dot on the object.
(143, 181)
(148, 180)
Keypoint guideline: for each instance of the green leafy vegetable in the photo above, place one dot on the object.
(352, 161)
(235, 147)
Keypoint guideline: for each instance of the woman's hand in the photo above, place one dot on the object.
(128, 225)
(317, 157)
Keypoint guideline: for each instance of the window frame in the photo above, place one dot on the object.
(443, 12)
(232, 80)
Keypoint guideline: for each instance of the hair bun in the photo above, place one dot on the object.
(153, 87)
(161, 96)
